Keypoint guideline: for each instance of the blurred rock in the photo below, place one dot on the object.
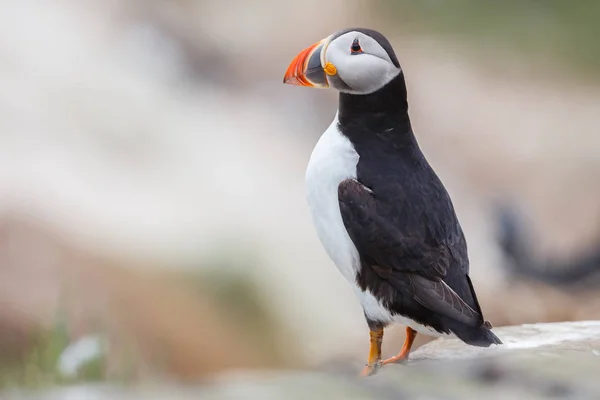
(155, 322)
(538, 362)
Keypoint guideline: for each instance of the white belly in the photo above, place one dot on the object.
(425, 330)
(332, 161)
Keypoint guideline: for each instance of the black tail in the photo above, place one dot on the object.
(480, 337)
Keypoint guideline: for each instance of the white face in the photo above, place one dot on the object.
(358, 72)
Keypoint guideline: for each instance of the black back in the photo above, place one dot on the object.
(411, 243)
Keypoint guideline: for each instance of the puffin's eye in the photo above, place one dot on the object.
(355, 48)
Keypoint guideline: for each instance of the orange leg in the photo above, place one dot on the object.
(374, 362)
(411, 334)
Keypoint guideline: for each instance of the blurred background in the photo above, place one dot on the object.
(152, 214)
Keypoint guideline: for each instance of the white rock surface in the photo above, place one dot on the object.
(541, 339)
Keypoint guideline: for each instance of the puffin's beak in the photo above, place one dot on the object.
(307, 69)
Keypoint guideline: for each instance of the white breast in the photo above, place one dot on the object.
(332, 161)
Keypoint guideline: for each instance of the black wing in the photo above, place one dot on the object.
(415, 263)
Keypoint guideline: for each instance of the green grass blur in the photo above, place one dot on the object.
(562, 31)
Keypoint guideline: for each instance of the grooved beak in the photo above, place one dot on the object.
(306, 68)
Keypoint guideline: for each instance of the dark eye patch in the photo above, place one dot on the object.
(355, 48)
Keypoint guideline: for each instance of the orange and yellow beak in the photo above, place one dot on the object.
(308, 68)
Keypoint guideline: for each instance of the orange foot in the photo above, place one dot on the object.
(411, 334)
(374, 362)
(371, 369)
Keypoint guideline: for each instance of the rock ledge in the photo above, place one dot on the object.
(537, 361)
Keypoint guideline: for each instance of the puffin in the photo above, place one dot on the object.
(379, 209)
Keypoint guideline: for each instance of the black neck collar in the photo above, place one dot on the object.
(384, 109)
